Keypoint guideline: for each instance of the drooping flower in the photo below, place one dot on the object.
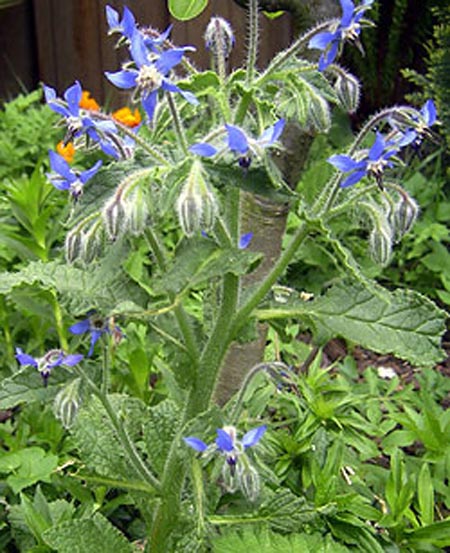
(373, 163)
(45, 365)
(150, 74)
(127, 117)
(64, 177)
(421, 126)
(227, 443)
(240, 143)
(66, 151)
(348, 28)
(97, 326)
(81, 121)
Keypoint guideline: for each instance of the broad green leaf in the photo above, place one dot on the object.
(186, 9)
(83, 535)
(403, 322)
(28, 466)
(437, 534)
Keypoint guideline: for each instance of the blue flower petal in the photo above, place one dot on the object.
(253, 436)
(72, 359)
(149, 103)
(353, 178)
(224, 441)
(59, 165)
(73, 96)
(237, 140)
(203, 149)
(245, 240)
(81, 327)
(168, 59)
(128, 23)
(123, 78)
(344, 163)
(25, 359)
(112, 18)
(378, 147)
(348, 10)
(271, 134)
(328, 57)
(322, 40)
(195, 443)
(429, 113)
(139, 51)
(89, 173)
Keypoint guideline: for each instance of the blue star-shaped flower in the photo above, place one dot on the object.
(65, 178)
(79, 122)
(150, 74)
(96, 326)
(348, 28)
(227, 442)
(374, 163)
(243, 145)
(53, 358)
(427, 118)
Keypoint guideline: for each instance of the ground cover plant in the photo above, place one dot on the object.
(156, 395)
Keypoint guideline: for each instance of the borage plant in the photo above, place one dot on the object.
(179, 236)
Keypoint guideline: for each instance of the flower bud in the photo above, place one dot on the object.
(73, 245)
(67, 402)
(138, 212)
(249, 481)
(92, 243)
(319, 117)
(219, 37)
(404, 216)
(196, 205)
(380, 245)
(115, 216)
(348, 90)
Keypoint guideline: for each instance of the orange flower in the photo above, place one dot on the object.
(128, 117)
(87, 102)
(66, 151)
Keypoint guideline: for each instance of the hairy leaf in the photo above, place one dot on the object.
(402, 322)
(82, 535)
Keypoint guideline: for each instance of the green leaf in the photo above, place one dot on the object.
(28, 466)
(269, 542)
(437, 533)
(186, 9)
(403, 322)
(425, 495)
(83, 535)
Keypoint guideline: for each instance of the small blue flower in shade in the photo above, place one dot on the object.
(348, 28)
(244, 240)
(228, 444)
(65, 178)
(80, 122)
(243, 145)
(427, 118)
(150, 74)
(96, 326)
(373, 164)
(53, 358)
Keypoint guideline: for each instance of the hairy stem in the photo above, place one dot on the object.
(253, 38)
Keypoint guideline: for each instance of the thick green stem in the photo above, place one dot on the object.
(60, 329)
(198, 401)
(128, 446)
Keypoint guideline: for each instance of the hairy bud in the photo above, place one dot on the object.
(73, 245)
(138, 212)
(92, 243)
(404, 216)
(380, 245)
(348, 90)
(196, 205)
(249, 481)
(115, 217)
(319, 117)
(67, 402)
(219, 37)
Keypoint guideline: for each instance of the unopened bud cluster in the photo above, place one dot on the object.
(404, 215)
(219, 37)
(196, 205)
(348, 91)
(67, 402)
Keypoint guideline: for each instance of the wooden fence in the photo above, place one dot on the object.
(69, 41)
